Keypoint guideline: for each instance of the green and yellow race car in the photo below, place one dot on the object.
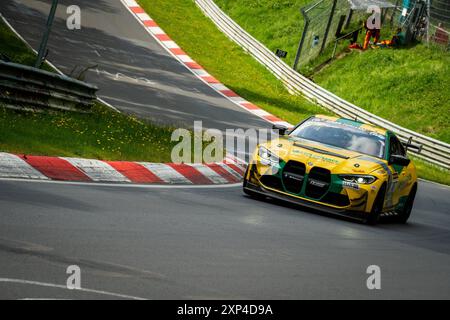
(336, 165)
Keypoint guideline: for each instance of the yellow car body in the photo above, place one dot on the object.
(336, 179)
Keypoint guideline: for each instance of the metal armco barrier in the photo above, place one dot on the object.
(24, 87)
(434, 151)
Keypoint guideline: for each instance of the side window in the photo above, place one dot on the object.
(396, 147)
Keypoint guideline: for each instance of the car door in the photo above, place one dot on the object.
(399, 173)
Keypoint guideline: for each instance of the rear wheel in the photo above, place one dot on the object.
(374, 215)
(403, 215)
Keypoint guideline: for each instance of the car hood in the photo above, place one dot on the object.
(314, 154)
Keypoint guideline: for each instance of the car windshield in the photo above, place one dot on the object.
(341, 135)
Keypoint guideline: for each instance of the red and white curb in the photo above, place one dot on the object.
(166, 42)
(84, 170)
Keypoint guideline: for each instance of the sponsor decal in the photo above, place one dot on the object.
(395, 176)
(315, 157)
(351, 124)
(391, 183)
(294, 177)
(351, 185)
(317, 183)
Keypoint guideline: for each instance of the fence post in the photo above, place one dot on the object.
(43, 46)
(428, 21)
(328, 26)
(302, 40)
(349, 18)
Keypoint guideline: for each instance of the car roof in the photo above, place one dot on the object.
(354, 123)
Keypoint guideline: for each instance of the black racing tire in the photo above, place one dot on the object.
(405, 213)
(374, 215)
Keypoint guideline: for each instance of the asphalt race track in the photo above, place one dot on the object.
(212, 243)
(192, 243)
(135, 74)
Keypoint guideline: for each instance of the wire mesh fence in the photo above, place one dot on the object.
(440, 13)
(426, 20)
(326, 22)
(439, 22)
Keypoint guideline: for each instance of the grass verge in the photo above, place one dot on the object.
(103, 134)
(278, 24)
(430, 172)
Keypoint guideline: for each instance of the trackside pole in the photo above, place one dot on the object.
(302, 40)
(43, 46)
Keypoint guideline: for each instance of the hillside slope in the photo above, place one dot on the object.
(409, 86)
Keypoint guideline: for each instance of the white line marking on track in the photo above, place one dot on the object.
(51, 285)
(126, 185)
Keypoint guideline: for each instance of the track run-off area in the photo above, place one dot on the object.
(191, 242)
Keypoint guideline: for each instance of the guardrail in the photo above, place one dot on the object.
(24, 87)
(434, 151)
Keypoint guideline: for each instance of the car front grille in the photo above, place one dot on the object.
(293, 176)
(319, 180)
(272, 182)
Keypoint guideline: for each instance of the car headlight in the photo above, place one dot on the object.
(267, 157)
(360, 179)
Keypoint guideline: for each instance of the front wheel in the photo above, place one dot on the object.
(404, 214)
(374, 215)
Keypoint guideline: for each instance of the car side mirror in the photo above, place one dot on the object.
(409, 145)
(281, 129)
(399, 160)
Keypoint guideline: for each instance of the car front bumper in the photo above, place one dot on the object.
(361, 216)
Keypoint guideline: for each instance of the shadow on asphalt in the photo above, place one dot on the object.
(412, 233)
(32, 195)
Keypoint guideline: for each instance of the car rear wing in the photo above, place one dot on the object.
(409, 145)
